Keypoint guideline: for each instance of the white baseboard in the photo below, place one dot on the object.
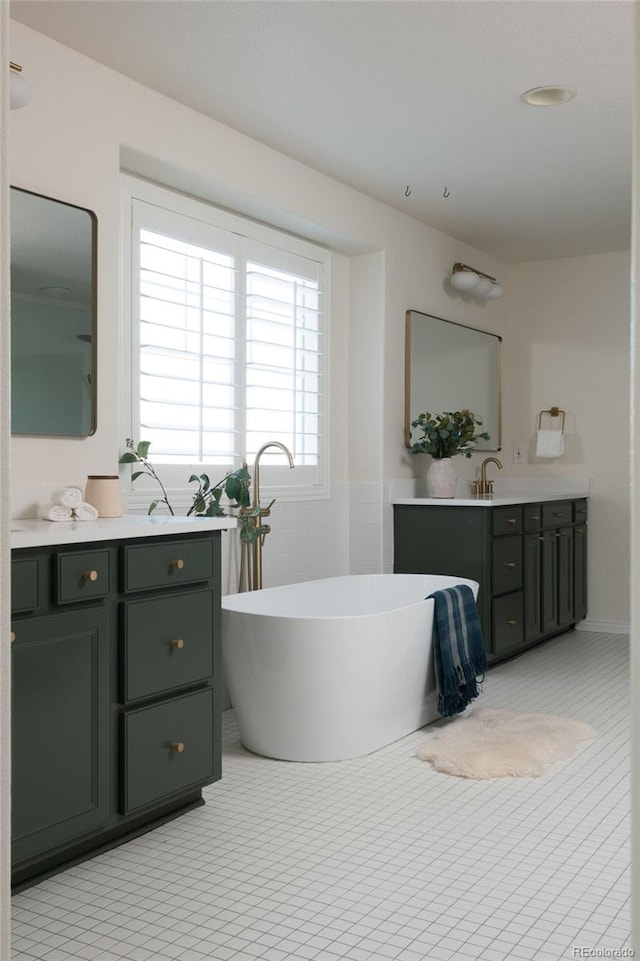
(604, 627)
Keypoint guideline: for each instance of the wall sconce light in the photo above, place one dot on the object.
(475, 282)
(19, 89)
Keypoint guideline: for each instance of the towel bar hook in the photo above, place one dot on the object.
(552, 412)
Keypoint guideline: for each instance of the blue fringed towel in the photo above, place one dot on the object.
(458, 648)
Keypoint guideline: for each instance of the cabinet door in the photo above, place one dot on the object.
(564, 540)
(508, 633)
(580, 572)
(532, 564)
(506, 564)
(548, 582)
(60, 727)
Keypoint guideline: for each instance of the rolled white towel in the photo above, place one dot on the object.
(55, 512)
(67, 497)
(85, 512)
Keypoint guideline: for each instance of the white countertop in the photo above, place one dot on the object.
(526, 489)
(502, 499)
(39, 533)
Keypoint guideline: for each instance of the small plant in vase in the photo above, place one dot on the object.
(444, 436)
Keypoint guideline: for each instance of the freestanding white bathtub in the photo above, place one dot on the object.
(332, 669)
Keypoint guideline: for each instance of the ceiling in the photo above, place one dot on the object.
(414, 102)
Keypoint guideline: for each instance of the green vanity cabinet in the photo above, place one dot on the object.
(529, 559)
(116, 693)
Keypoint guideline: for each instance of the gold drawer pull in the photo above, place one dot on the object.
(534, 517)
(579, 530)
(512, 520)
(12, 637)
(512, 620)
(510, 564)
(90, 576)
(558, 513)
(541, 538)
(177, 746)
(177, 644)
(179, 564)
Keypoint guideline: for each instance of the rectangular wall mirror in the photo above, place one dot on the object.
(452, 367)
(53, 316)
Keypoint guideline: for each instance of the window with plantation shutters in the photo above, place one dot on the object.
(228, 331)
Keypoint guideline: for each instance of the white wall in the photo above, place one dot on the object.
(83, 122)
(564, 323)
(567, 344)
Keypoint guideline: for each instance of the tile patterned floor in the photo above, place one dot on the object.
(376, 858)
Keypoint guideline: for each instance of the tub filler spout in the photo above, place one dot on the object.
(251, 555)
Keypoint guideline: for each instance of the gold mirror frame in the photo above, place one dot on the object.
(455, 344)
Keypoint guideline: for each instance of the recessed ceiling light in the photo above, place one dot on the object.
(547, 96)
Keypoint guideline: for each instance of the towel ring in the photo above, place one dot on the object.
(552, 412)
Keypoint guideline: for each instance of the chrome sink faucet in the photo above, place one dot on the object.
(484, 487)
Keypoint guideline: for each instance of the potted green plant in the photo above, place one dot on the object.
(207, 498)
(445, 436)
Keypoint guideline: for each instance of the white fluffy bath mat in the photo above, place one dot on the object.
(494, 743)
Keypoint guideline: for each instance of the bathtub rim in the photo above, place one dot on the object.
(254, 597)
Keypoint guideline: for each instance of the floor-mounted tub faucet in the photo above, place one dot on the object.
(251, 563)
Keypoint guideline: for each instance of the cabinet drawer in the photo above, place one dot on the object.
(532, 514)
(168, 643)
(580, 512)
(167, 748)
(508, 622)
(25, 577)
(82, 576)
(506, 520)
(557, 514)
(506, 565)
(168, 564)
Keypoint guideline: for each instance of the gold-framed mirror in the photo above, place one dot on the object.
(53, 316)
(449, 367)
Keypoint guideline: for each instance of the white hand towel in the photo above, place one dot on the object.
(55, 512)
(85, 512)
(67, 497)
(550, 443)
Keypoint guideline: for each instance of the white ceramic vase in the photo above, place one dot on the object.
(442, 477)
